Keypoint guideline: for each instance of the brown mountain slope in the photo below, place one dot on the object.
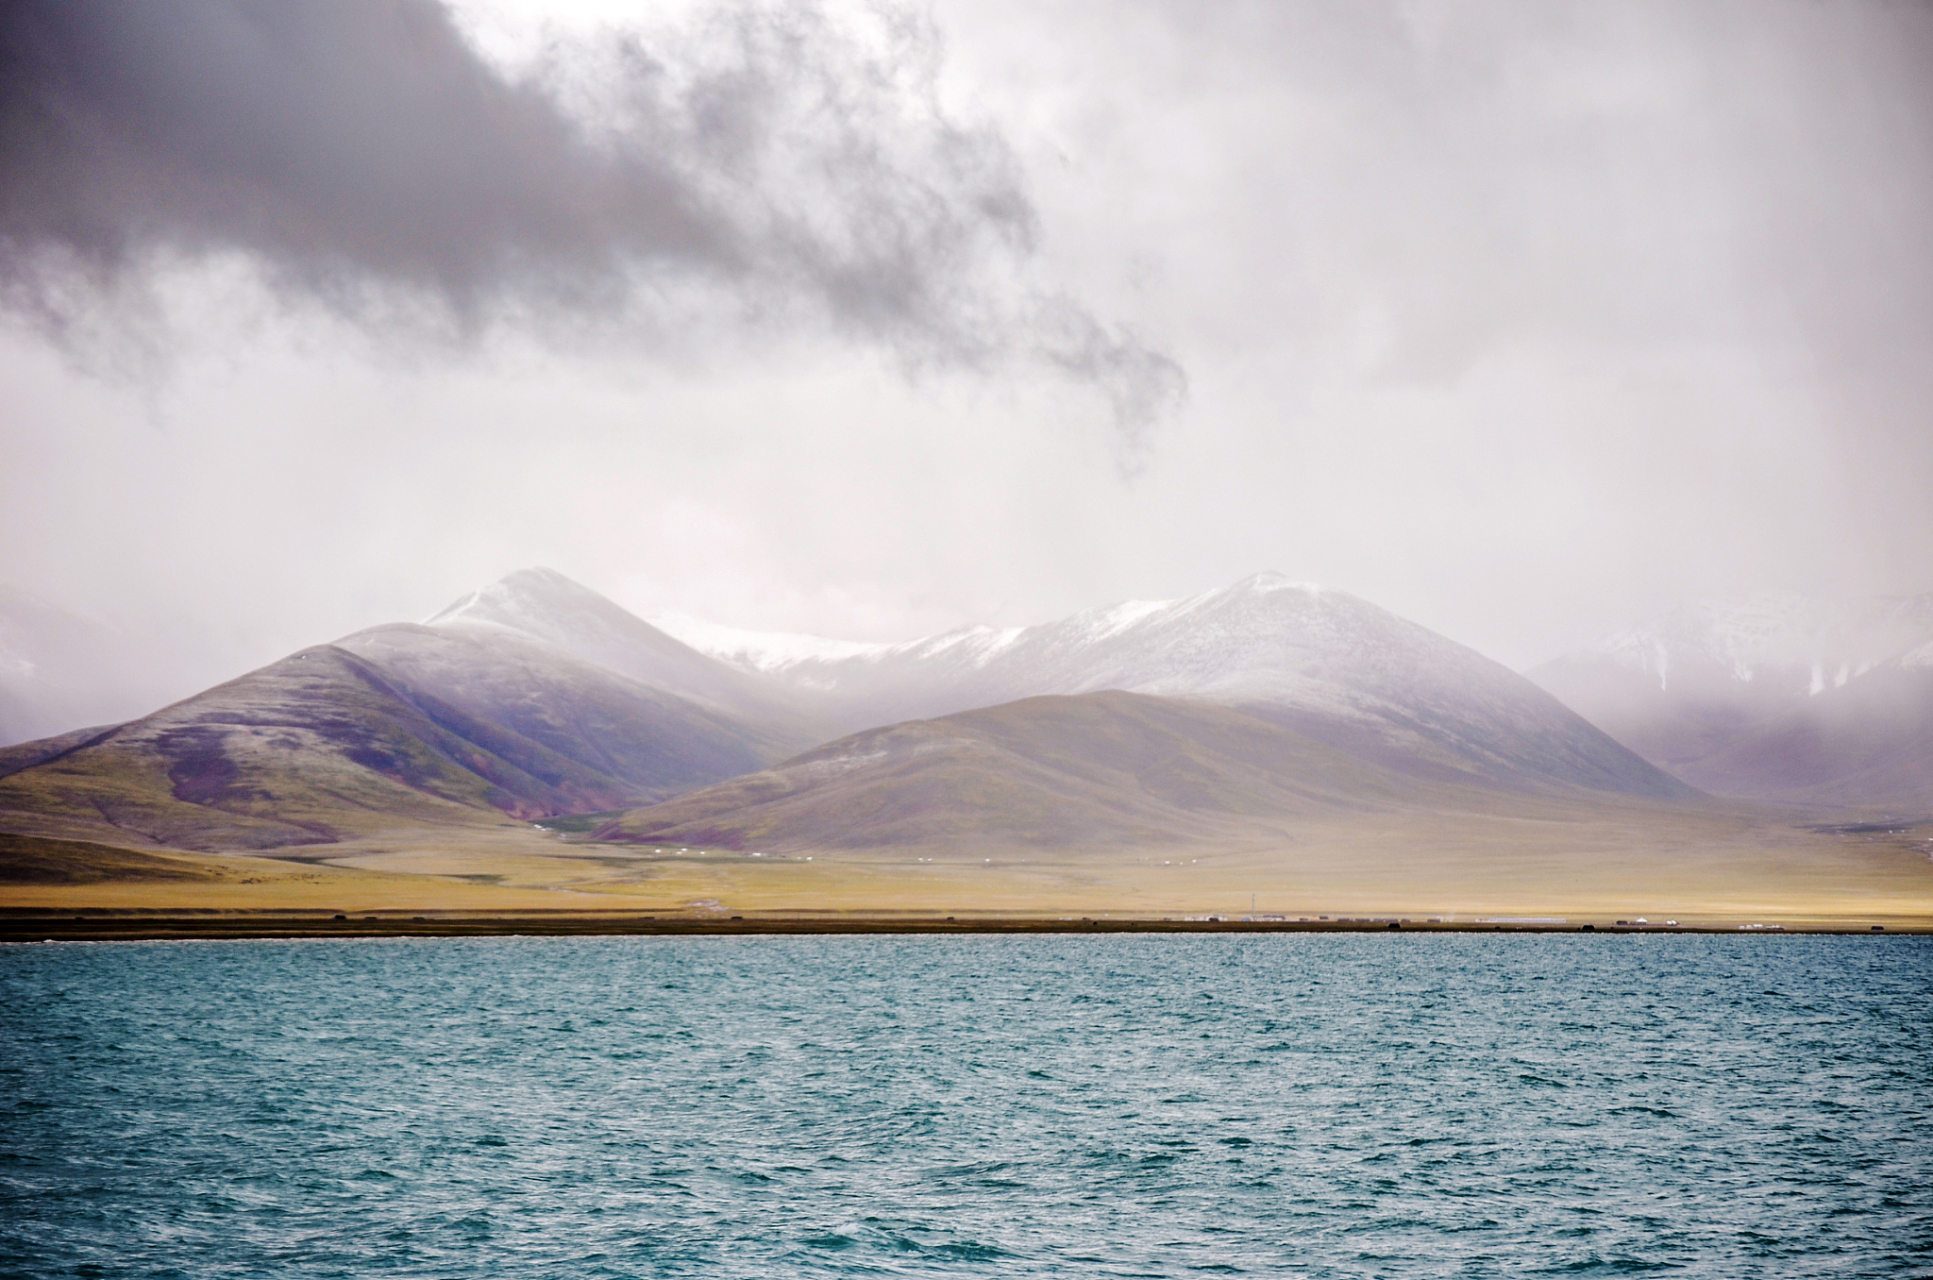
(25, 755)
(1093, 770)
(325, 744)
(653, 740)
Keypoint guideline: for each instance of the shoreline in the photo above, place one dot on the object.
(53, 926)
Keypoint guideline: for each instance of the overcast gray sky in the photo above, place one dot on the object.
(1524, 320)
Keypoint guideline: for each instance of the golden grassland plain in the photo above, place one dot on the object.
(1715, 866)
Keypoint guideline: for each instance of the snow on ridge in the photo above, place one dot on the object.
(1269, 580)
(999, 640)
(979, 643)
(1120, 617)
(763, 650)
(773, 652)
(452, 612)
(777, 651)
(504, 597)
(1114, 619)
(530, 596)
(526, 595)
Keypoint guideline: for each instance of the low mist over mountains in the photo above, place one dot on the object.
(1231, 715)
(1775, 697)
(59, 671)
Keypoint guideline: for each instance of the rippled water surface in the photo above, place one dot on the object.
(1128, 1105)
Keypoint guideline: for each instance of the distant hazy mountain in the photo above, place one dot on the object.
(1334, 668)
(1771, 696)
(1866, 744)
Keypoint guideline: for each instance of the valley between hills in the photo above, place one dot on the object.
(1266, 749)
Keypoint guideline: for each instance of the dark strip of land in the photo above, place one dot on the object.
(51, 927)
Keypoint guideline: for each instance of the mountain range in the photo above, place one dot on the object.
(1772, 697)
(1321, 663)
(462, 720)
(1240, 716)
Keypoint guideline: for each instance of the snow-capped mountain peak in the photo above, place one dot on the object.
(1267, 642)
(544, 606)
(539, 602)
(780, 651)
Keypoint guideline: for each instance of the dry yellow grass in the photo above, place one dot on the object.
(221, 882)
(1708, 866)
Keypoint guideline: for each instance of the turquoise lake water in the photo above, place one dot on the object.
(1360, 1105)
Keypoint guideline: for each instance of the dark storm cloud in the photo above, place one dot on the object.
(758, 166)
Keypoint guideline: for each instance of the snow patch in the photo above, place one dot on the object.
(989, 643)
(761, 650)
(1269, 581)
(455, 611)
(1118, 618)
